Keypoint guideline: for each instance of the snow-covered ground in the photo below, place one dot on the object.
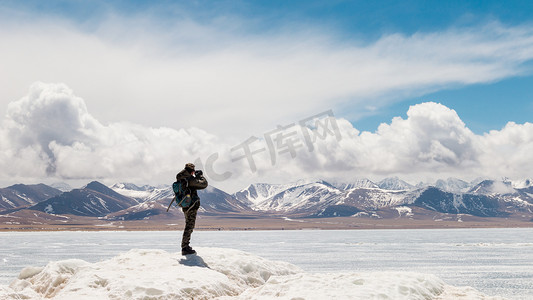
(217, 273)
(330, 264)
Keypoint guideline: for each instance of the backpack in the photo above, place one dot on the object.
(181, 196)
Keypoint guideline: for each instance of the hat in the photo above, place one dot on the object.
(189, 166)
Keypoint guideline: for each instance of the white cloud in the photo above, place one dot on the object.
(432, 141)
(50, 133)
(509, 150)
(233, 82)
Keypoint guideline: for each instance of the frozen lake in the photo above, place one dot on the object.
(494, 261)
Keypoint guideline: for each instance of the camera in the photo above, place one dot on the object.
(198, 173)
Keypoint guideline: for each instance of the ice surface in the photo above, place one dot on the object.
(217, 273)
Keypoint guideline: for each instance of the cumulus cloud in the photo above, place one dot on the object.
(432, 140)
(50, 114)
(509, 150)
(50, 133)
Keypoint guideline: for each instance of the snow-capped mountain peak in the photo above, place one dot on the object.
(144, 193)
(453, 185)
(394, 184)
(522, 184)
(493, 187)
(355, 184)
(62, 186)
(290, 196)
(131, 187)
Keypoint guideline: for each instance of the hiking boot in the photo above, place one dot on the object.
(187, 250)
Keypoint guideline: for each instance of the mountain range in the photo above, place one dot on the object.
(390, 198)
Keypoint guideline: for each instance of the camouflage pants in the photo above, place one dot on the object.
(190, 220)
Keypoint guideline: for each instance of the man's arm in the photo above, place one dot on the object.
(199, 182)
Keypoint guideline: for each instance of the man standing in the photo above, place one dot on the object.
(191, 181)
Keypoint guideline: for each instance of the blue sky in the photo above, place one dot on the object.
(483, 107)
(82, 78)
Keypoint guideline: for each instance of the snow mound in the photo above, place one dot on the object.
(216, 274)
(375, 285)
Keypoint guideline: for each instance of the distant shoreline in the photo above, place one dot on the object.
(231, 223)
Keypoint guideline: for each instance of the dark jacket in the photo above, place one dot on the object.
(192, 183)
